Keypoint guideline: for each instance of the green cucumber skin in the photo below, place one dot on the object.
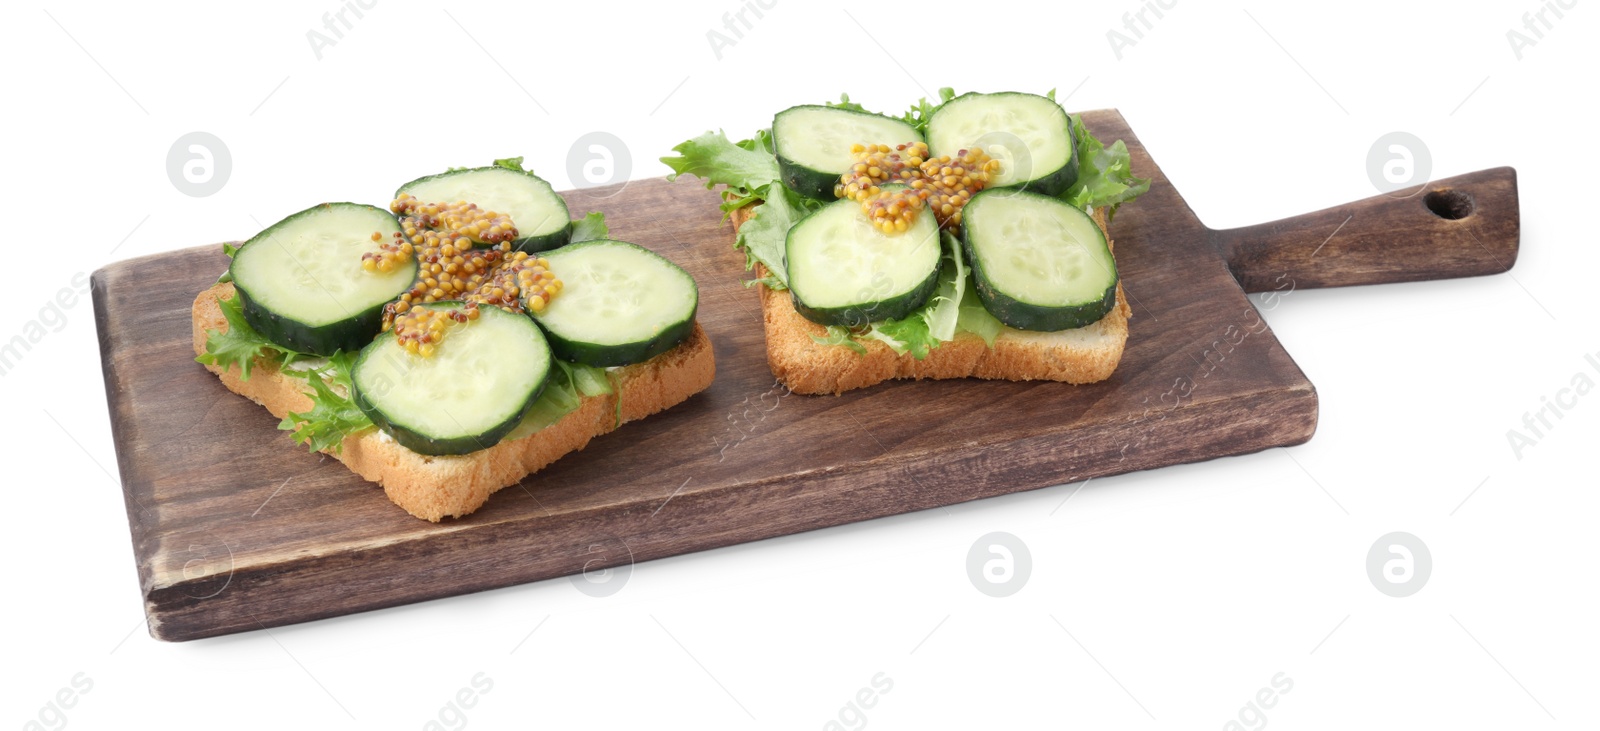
(1053, 183)
(1024, 316)
(807, 182)
(1057, 182)
(817, 184)
(434, 446)
(893, 308)
(529, 244)
(606, 356)
(350, 334)
(547, 242)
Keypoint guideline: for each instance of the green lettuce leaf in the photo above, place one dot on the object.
(562, 395)
(763, 237)
(906, 335)
(1105, 174)
(615, 387)
(592, 226)
(747, 168)
(770, 281)
(840, 335)
(227, 274)
(919, 113)
(942, 312)
(510, 163)
(588, 380)
(241, 344)
(974, 318)
(558, 400)
(937, 321)
(334, 414)
(845, 103)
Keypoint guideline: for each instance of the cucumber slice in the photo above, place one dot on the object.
(538, 213)
(844, 271)
(1030, 135)
(620, 303)
(1040, 263)
(466, 396)
(301, 284)
(813, 144)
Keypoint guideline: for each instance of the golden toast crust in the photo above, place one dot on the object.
(433, 488)
(1085, 355)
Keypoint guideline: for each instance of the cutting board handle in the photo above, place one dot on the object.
(1464, 226)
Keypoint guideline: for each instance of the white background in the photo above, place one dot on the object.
(1157, 600)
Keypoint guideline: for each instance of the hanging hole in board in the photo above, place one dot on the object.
(1449, 204)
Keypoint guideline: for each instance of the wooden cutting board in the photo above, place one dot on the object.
(236, 528)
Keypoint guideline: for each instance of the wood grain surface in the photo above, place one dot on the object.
(235, 528)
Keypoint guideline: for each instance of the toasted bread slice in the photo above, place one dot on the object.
(1082, 355)
(432, 488)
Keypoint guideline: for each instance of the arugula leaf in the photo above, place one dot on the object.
(919, 113)
(747, 168)
(230, 249)
(1105, 174)
(510, 163)
(592, 226)
(332, 416)
(840, 335)
(240, 345)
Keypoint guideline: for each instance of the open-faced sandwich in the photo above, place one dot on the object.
(963, 239)
(451, 345)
